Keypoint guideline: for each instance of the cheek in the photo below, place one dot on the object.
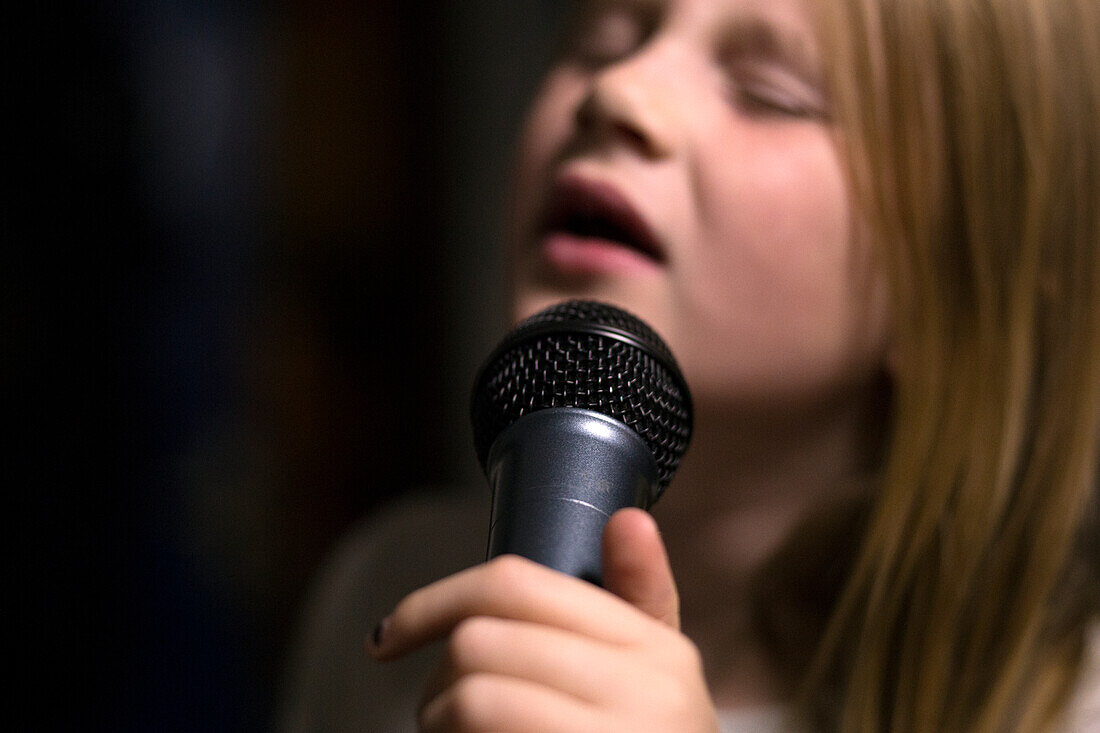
(777, 281)
(779, 208)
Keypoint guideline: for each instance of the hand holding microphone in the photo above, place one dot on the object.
(579, 413)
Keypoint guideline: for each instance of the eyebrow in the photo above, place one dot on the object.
(760, 37)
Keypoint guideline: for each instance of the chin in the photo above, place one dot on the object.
(632, 295)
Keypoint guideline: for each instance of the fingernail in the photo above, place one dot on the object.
(379, 633)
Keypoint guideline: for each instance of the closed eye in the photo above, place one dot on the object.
(757, 90)
(771, 102)
(772, 68)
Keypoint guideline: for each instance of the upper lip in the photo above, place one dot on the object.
(598, 209)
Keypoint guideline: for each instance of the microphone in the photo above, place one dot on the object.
(579, 412)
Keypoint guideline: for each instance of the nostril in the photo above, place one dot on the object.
(587, 112)
(634, 137)
(621, 116)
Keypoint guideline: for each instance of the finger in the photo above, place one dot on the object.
(636, 567)
(592, 671)
(487, 702)
(506, 587)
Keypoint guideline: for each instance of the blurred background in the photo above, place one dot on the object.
(253, 264)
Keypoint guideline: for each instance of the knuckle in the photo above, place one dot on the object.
(470, 703)
(469, 639)
(691, 659)
(507, 573)
(507, 567)
(463, 707)
(682, 654)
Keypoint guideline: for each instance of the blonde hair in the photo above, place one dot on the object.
(972, 130)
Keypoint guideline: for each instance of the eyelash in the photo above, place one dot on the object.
(762, 97)
(767, 104)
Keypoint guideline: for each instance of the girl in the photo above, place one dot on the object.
(868, 230)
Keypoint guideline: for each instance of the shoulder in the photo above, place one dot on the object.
(409, 542)
(420, 538)
(329, 683)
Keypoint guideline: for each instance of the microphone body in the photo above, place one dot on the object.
(557, 476)
(579, 412)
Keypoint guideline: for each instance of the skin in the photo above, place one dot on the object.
(776, 315)
(533, 649)
(727, 153)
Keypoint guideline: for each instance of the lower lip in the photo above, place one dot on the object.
(589, 256)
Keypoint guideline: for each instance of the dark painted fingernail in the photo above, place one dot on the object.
(379, 632)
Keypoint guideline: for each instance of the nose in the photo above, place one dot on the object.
(633, 101)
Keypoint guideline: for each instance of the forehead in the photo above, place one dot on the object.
(788, 10)
(711, 20)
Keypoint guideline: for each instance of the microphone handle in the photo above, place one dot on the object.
(557, 475)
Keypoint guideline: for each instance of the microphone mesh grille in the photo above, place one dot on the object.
(554, 359)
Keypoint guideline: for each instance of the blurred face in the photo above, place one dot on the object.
(679, 162)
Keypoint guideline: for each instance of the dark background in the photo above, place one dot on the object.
(252, 262)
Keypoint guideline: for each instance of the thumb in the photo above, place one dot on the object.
(635, 566)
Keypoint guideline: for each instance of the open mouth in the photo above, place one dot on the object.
(598, 214)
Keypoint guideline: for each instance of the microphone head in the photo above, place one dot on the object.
(592, 356)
